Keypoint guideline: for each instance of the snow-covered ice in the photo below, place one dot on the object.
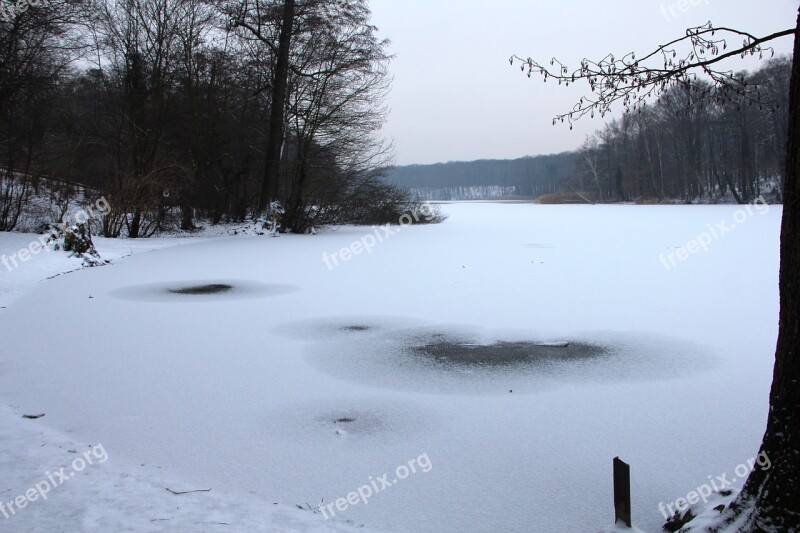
(301, 383)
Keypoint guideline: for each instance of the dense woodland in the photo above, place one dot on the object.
(694, 148)
(177, 109)
(684, 147)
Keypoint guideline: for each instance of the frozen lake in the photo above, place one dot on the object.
(517, 348)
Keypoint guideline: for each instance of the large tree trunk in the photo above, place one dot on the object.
(269, 186)
(771, 498)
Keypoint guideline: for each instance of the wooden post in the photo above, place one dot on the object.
(622, 492)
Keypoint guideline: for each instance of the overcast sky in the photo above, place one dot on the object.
(455, 96)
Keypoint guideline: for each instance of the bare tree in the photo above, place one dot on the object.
(263, 20)
(336, 110)
(327, 72)
(589, 165)
(139, 44)
(37, 46)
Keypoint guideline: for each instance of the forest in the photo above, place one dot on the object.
(182, 109)
(692, 148)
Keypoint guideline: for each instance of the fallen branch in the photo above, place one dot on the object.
(178, 493)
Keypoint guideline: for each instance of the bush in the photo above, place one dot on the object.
(422, 213)
(78, 240)
(381, 203)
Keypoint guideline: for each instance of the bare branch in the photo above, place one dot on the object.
(633, 81)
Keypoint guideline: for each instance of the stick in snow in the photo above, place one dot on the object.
(178, 493)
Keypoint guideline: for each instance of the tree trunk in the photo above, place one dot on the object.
(296, 219)
(269, 186)
(187, 222)
(135, 225)
(771, 498)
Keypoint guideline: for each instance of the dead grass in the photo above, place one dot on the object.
(653, 201)
(562, 198)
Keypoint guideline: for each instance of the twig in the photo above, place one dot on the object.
(631, 80)
(178, 493)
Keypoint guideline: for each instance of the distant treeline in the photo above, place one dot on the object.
(686, 147)
(528, 176)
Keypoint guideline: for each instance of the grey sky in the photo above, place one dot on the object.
(456, 97)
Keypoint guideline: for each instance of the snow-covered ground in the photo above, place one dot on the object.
(303, 384)
(112, 493)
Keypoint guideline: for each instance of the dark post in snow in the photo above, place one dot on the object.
(622, 492)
